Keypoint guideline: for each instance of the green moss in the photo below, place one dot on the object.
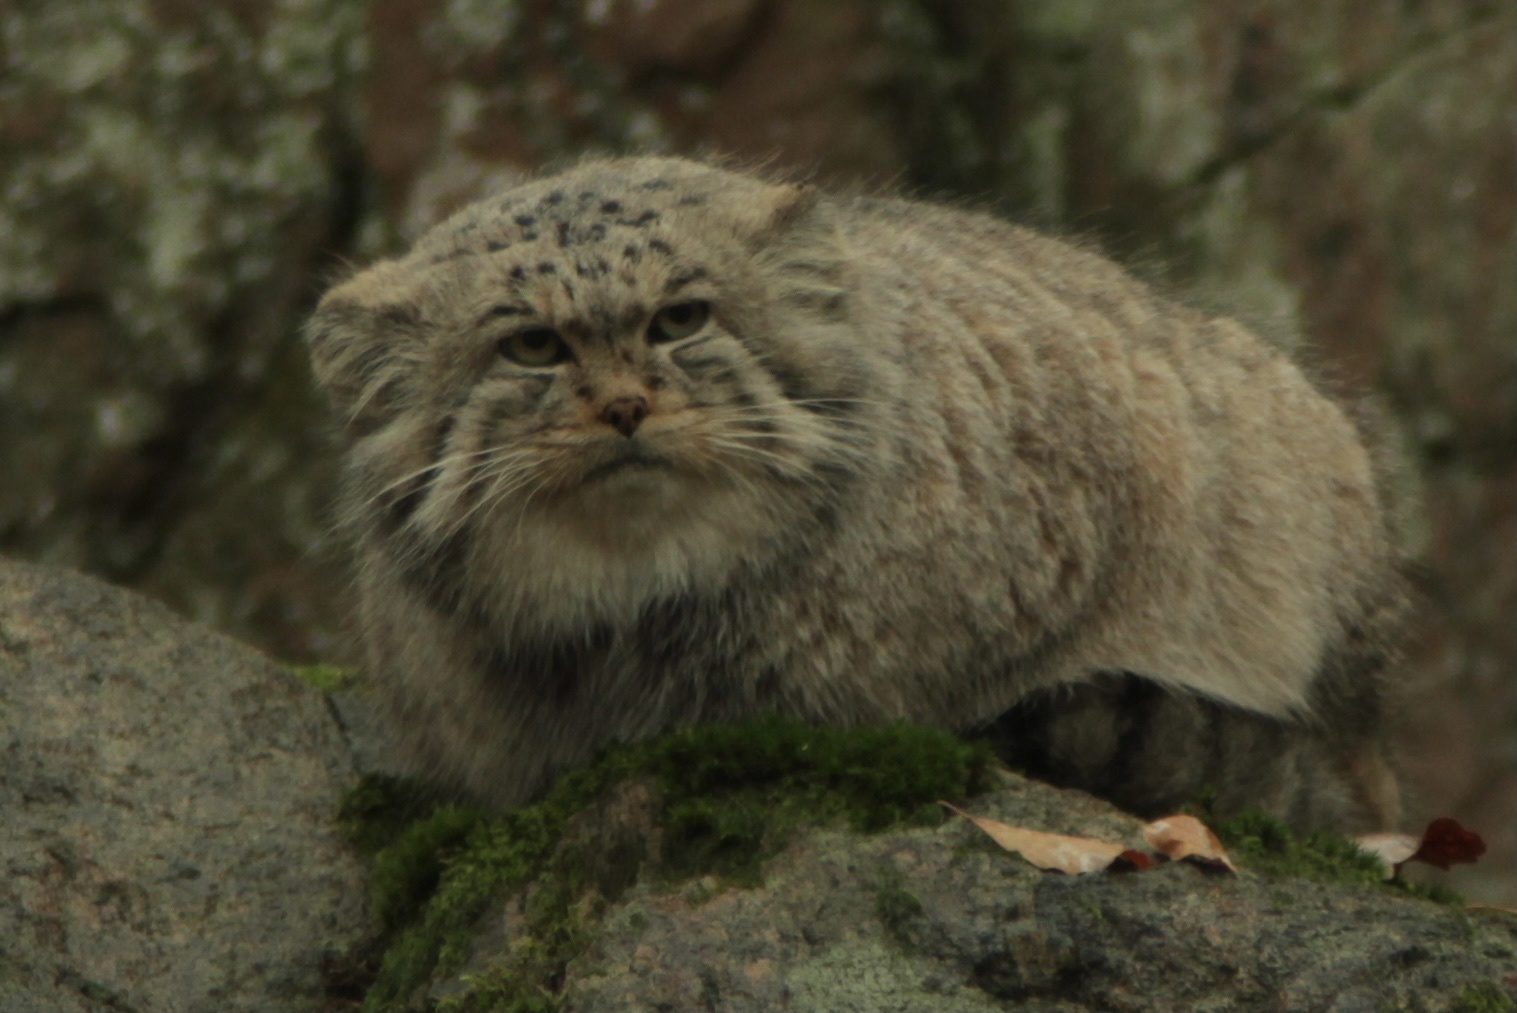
(1266, 845)
(1089, 905)
(1484, 997)
(1430, 891)
(733, 794)
(375, 813)
(327, 678)
(515, 985)
(728, 797)
(407, 872)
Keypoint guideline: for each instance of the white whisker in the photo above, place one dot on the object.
(441, 465)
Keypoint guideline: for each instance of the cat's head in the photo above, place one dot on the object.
(647, 358)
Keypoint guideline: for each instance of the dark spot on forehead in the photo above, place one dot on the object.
(598, 231)
(643, 219)
(525, 220)
(630, 251)
(656, 184)
(596, 323)
(563, 233)
(528, 235)
(692, 200)
(546, 267)
(509, 310)
(496, 245)
(556, 197)
(518, 273)
(611, 207)
(659, 246)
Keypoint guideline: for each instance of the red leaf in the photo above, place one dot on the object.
(1132, 860)
(1446, 843)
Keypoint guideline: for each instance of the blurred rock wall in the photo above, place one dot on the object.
(177, 179)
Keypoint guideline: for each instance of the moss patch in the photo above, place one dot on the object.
(725, 798)
(327, 678)
(1484, 997)
(1266, 845)
(375, 813)
(734, 793)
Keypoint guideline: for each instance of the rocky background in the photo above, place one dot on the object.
(178, 179)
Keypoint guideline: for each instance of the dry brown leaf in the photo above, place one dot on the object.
(1185, 837)
(1056, 852)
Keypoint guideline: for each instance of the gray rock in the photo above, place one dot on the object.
(168, 836)
(940, 920)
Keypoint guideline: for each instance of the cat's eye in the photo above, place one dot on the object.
(536, 346)
(678, 321)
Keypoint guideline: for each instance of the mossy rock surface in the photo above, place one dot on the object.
(776, 866)
(705, 807)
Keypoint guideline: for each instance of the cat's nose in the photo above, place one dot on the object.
(625, 413)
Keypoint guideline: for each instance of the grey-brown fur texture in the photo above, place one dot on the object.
(909, 462)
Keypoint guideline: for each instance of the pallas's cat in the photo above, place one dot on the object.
(649, 443)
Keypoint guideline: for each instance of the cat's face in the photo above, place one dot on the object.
(617, 364)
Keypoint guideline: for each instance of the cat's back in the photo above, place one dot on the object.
(953, 253)
(1231, 500)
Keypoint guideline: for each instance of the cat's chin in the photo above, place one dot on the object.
(628, 474)
(630, 490)
(602, 552)
(636, 506)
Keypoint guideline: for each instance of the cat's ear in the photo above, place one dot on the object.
(776, 209)
(796, 203)
(359, 339)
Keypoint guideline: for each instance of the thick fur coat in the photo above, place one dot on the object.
(648, 443)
